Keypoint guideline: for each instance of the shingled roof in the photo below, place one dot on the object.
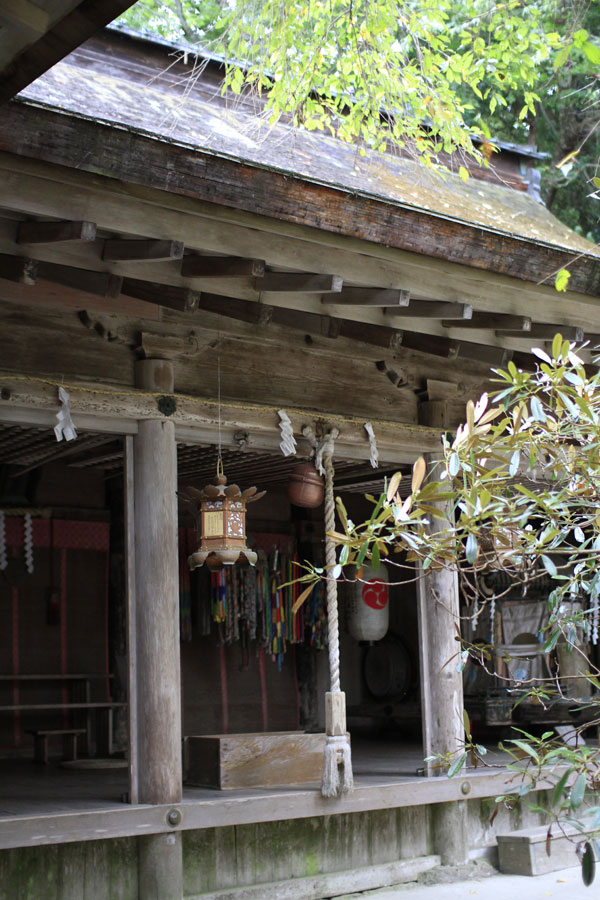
(143, 90)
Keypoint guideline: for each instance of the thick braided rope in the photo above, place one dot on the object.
(333, 630)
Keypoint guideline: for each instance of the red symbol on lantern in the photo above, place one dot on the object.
(375, 594)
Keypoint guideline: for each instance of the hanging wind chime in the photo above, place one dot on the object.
(220, 511)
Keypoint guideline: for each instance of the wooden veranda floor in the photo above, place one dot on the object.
(51, 804)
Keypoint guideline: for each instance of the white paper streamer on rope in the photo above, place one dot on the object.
(28, 543)
(311, 438)
(65, 428)
(288, 441)
(374, 457)
(3, 553)
(595, 619)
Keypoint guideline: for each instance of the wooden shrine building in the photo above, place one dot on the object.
(159, 245)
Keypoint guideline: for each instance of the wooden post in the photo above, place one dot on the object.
(441, 693)
(156, 694)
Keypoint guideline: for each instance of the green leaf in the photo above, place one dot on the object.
(562, 279)
(549, 565)
(375, 556)
(557, 341)
(559, 788)
(457, 765)
(467, 724)
(578, 791)
(361, 555)
(471, 549)
(514, 464)
(341, 511)
(453, 465)
(561, 57)
(344, 553)
(592, 52)
(527, 748)
(588, 864)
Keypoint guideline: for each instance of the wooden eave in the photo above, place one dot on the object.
(41, 34)
(76, 141)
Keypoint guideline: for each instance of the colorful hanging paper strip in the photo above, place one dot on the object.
(255, 603)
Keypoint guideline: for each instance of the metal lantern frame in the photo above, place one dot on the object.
(220, 511)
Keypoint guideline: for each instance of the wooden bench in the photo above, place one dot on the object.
(40, 746)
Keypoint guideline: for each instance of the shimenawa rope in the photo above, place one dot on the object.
(337, 761)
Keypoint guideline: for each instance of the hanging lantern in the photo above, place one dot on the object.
(220, 512)
(367, 605)
(305, 487)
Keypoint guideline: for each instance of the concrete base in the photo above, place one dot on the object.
(352, 881)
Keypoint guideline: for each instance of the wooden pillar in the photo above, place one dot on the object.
(441, 692)
(156, 718)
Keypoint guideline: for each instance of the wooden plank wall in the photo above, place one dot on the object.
(272, 365)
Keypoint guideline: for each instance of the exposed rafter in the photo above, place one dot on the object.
(545, 332)
(195, 266)
(364, 296)
(55, 232)
(432, 309)
(141, 250)
(299, 282)
(492, 320)
(180, 298)
(18, 268)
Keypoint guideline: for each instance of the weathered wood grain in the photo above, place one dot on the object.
(73, 141)
(36, 188)
(79, 23)
(19, 269)
(431, 309)
(55, 232)
(131, 250)
(254, 760)
(102, 283)
(545, 332)
(194, 266)
(157, 598)
(441, 684)
(183, 299)
(491, 320)
(378, 297)
(303, 282)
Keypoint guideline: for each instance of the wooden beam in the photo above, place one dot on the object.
(55, 232)
(27, 13)
(432, 309)
(18, 268)
(491, 320)
(139, 160)
(164, 346)
(299, 282)
(545, 332)
(194, 266)
(448, 348)
(441, 684)
(182, 299)
(84, 20)
(101, 283)
(358, 296)
(142, 250)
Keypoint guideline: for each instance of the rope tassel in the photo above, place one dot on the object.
(337, 761)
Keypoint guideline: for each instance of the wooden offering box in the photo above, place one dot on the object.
(265, 759)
